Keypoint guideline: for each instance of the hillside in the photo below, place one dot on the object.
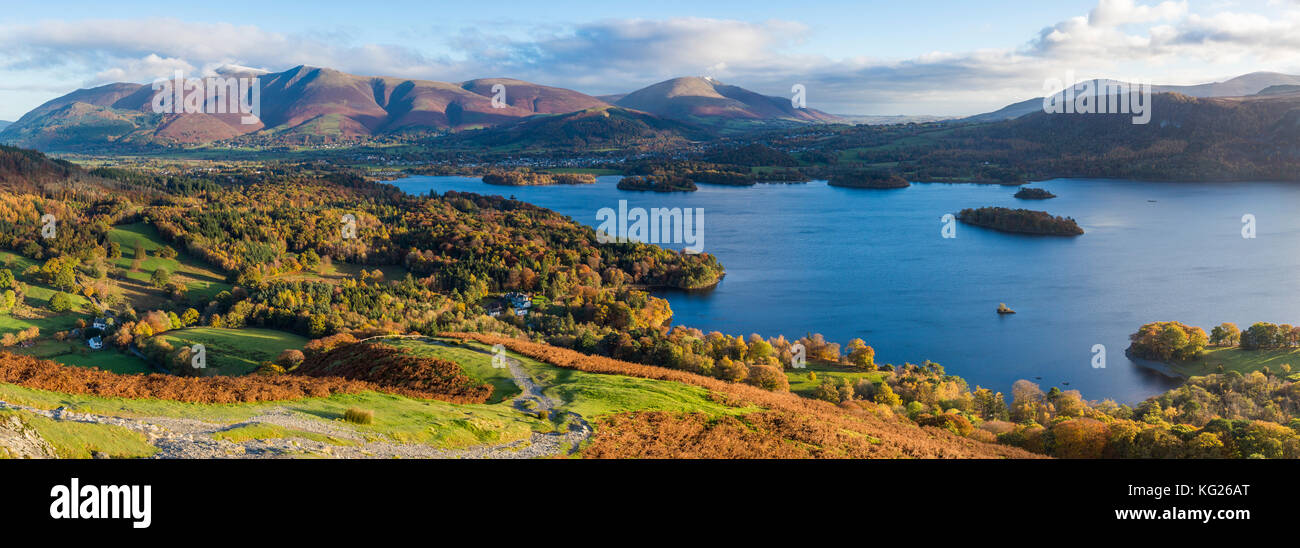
(1247, 84)
(708, 101)
(312, 105)
(552, 402)
(1188, 139)
(299, 103)
(602, 127)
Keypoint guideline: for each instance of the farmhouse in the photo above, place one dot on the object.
(96, 343)
(521, 302)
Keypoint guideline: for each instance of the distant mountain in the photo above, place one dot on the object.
(601, 127)
(1250, 138)
(300, 103)
(311, 104)
(709, 102)
(1279, 90)
(1248, 84)
(4, 124)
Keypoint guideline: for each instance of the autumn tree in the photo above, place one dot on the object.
(861, 355)
(1225, 334)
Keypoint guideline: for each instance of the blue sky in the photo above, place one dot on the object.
(864, 57)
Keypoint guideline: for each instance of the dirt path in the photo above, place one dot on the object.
(194, 439)
(532, 391)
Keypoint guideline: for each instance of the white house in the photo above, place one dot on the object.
(100, 324)
(519, 301)
(96, 343)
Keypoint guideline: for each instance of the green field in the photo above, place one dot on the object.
(1236, 359)
(801, 380)
(75, 352)
(592, 395)
(235, 351)
(203, 281)
(38, 298)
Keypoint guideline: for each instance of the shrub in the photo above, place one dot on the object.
(359, 416)
(768, 377)
(268, 368)
(290, 358)
(60, 302)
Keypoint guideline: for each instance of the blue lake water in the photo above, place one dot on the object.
(872, 264)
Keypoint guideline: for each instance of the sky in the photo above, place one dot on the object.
(940, 57)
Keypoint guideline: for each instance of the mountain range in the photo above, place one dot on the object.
(1241, 86)
(311, 103)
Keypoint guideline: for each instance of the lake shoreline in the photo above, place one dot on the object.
(848, 263)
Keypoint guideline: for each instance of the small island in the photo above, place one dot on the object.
(868, 179)
(533, 178)
(657, 183)
(1020, 221)
(1028, 193)
(1003, 309)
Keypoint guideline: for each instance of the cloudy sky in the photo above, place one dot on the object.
(854, 57)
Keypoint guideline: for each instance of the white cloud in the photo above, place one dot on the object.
(147, 68)
(1163, 41)
(143, 49)
(1112, 13)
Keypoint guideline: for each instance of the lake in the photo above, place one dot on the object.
(872, 264)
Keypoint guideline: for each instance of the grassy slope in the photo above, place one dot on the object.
(397, 418)
(203, 281)
(38, 297)
(592, 395)
(77, 440)
(475, 364)
(801, 381)
(1236, 359)
(77, 353)
(410, 420)
(236, 351)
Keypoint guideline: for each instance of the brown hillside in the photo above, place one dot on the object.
(790, 426)
(696, 98)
